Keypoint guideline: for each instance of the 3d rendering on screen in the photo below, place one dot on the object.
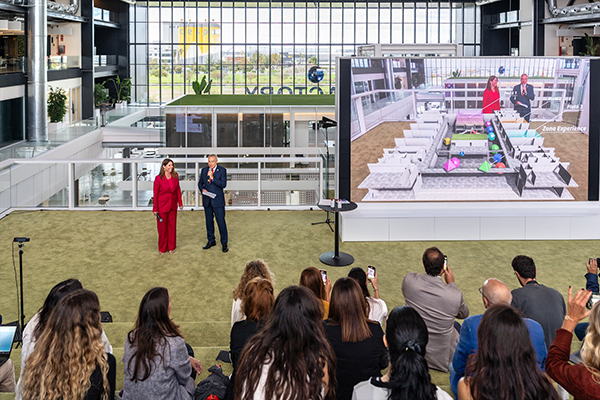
(469, 130)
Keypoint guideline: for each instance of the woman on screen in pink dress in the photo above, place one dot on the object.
(167, 196)
(491, 96)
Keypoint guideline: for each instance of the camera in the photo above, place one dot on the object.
(21, 239)
(593, 300)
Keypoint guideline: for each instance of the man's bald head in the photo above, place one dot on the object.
(495, 292)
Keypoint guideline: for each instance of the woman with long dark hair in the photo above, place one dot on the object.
(504, 366)
(356, 340)
(377, 307)
(290, 358)
(69, 361)
(156, 362)
(252, 269)
(167, 196)
(408, 376)
(312, 279)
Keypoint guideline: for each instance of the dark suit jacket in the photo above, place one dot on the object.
(517, 95)
(216, 186)
(165, 199)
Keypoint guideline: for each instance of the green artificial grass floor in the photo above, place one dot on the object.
(115, 254)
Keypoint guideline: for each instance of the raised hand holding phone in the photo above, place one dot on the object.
(374, 279)
(448, 274)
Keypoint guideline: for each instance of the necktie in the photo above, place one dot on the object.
(524, 91)
(213, 171)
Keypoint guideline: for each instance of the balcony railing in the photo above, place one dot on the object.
(63, 62)
(253, 183)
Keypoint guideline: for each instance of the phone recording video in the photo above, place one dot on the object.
(370, 272)
(324, 275)
(445, 263)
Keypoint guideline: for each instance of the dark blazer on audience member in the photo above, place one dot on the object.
(358, 361)
(542, 304)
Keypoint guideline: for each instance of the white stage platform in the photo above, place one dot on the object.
(472, 221)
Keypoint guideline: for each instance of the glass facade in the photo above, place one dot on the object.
(269, 47)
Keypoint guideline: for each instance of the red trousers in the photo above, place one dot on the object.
(167, 231)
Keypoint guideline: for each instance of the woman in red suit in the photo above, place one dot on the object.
(491, 96)
(167, 196)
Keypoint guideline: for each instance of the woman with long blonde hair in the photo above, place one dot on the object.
(253, 269)
(69, 361)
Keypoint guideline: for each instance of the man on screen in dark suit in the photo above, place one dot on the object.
(213, 180)
(521, 97)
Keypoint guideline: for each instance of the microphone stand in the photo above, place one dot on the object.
(326, 123)
(21, 244)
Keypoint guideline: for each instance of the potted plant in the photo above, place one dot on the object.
(100, 95)
(57, 107)
(123, 91)
(100, 101)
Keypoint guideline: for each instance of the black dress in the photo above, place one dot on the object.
(357, 361)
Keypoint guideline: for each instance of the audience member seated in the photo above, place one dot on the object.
(257, 306)
(69, 361)
(538, 302)
(156, 362)
(504, 366)
(580, 380)
(439, 304)
(290, 358)
(37, 324)
(312, 279)
(377, 307)
(356, 341)
(492, 292)
(407, 376)
(591, 284)
(253, 269)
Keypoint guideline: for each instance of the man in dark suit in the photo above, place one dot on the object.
(213, 180)
(521, 97)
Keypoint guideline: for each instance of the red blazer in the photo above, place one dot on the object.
(165, 199)
(491, 101)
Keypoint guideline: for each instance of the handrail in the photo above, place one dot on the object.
(76, 169)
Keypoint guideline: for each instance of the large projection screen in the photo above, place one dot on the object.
(413, 132)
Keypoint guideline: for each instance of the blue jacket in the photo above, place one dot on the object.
(216, 186)
(467, 344)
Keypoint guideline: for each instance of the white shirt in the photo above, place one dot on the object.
(377, 309)
(367, 391)
(236, 312)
